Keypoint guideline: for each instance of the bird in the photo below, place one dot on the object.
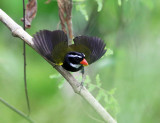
(53, 45)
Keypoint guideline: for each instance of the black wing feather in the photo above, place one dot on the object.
(46, 41)
(94, 44)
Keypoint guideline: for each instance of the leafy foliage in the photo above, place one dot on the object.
(119, 2)
(109, 52)
(60, 79)
(81, 6)
(100, 5)
(103, 96)
(82, 9)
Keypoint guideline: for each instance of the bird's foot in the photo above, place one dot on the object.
(81, 86)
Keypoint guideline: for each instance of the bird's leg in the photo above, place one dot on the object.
(83, 77)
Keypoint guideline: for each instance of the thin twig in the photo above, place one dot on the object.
(84, 93)
(16, 110)
(24, 56)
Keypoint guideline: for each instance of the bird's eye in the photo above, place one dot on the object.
(83, 55)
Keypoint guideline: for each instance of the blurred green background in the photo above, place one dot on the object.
(130, 28)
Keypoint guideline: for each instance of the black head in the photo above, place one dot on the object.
(75, 57)
(74, 61)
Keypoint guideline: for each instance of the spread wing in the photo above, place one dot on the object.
(51, 44)
(92, 47)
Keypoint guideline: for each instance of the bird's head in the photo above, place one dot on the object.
(74, 61)
(76, 58)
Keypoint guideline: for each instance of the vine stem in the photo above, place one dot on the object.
(82, 91)
(16, 110)
(24, 56)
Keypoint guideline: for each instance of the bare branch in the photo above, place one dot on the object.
(19, 32)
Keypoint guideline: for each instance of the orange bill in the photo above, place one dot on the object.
(84, 62)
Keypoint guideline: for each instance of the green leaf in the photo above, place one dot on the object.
(100, 5)
(79, 78)
(60, 80)
(91, 87)
(97, 78)
(109, 52)
(100, 95)
(82, 9)
(61, 83)
(54, 76)
(106, 98)
(119, 2)
(87, 80)
(112, 91)
(98, 81)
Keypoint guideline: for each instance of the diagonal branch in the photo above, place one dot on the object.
(82, 91)
(15, 110)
